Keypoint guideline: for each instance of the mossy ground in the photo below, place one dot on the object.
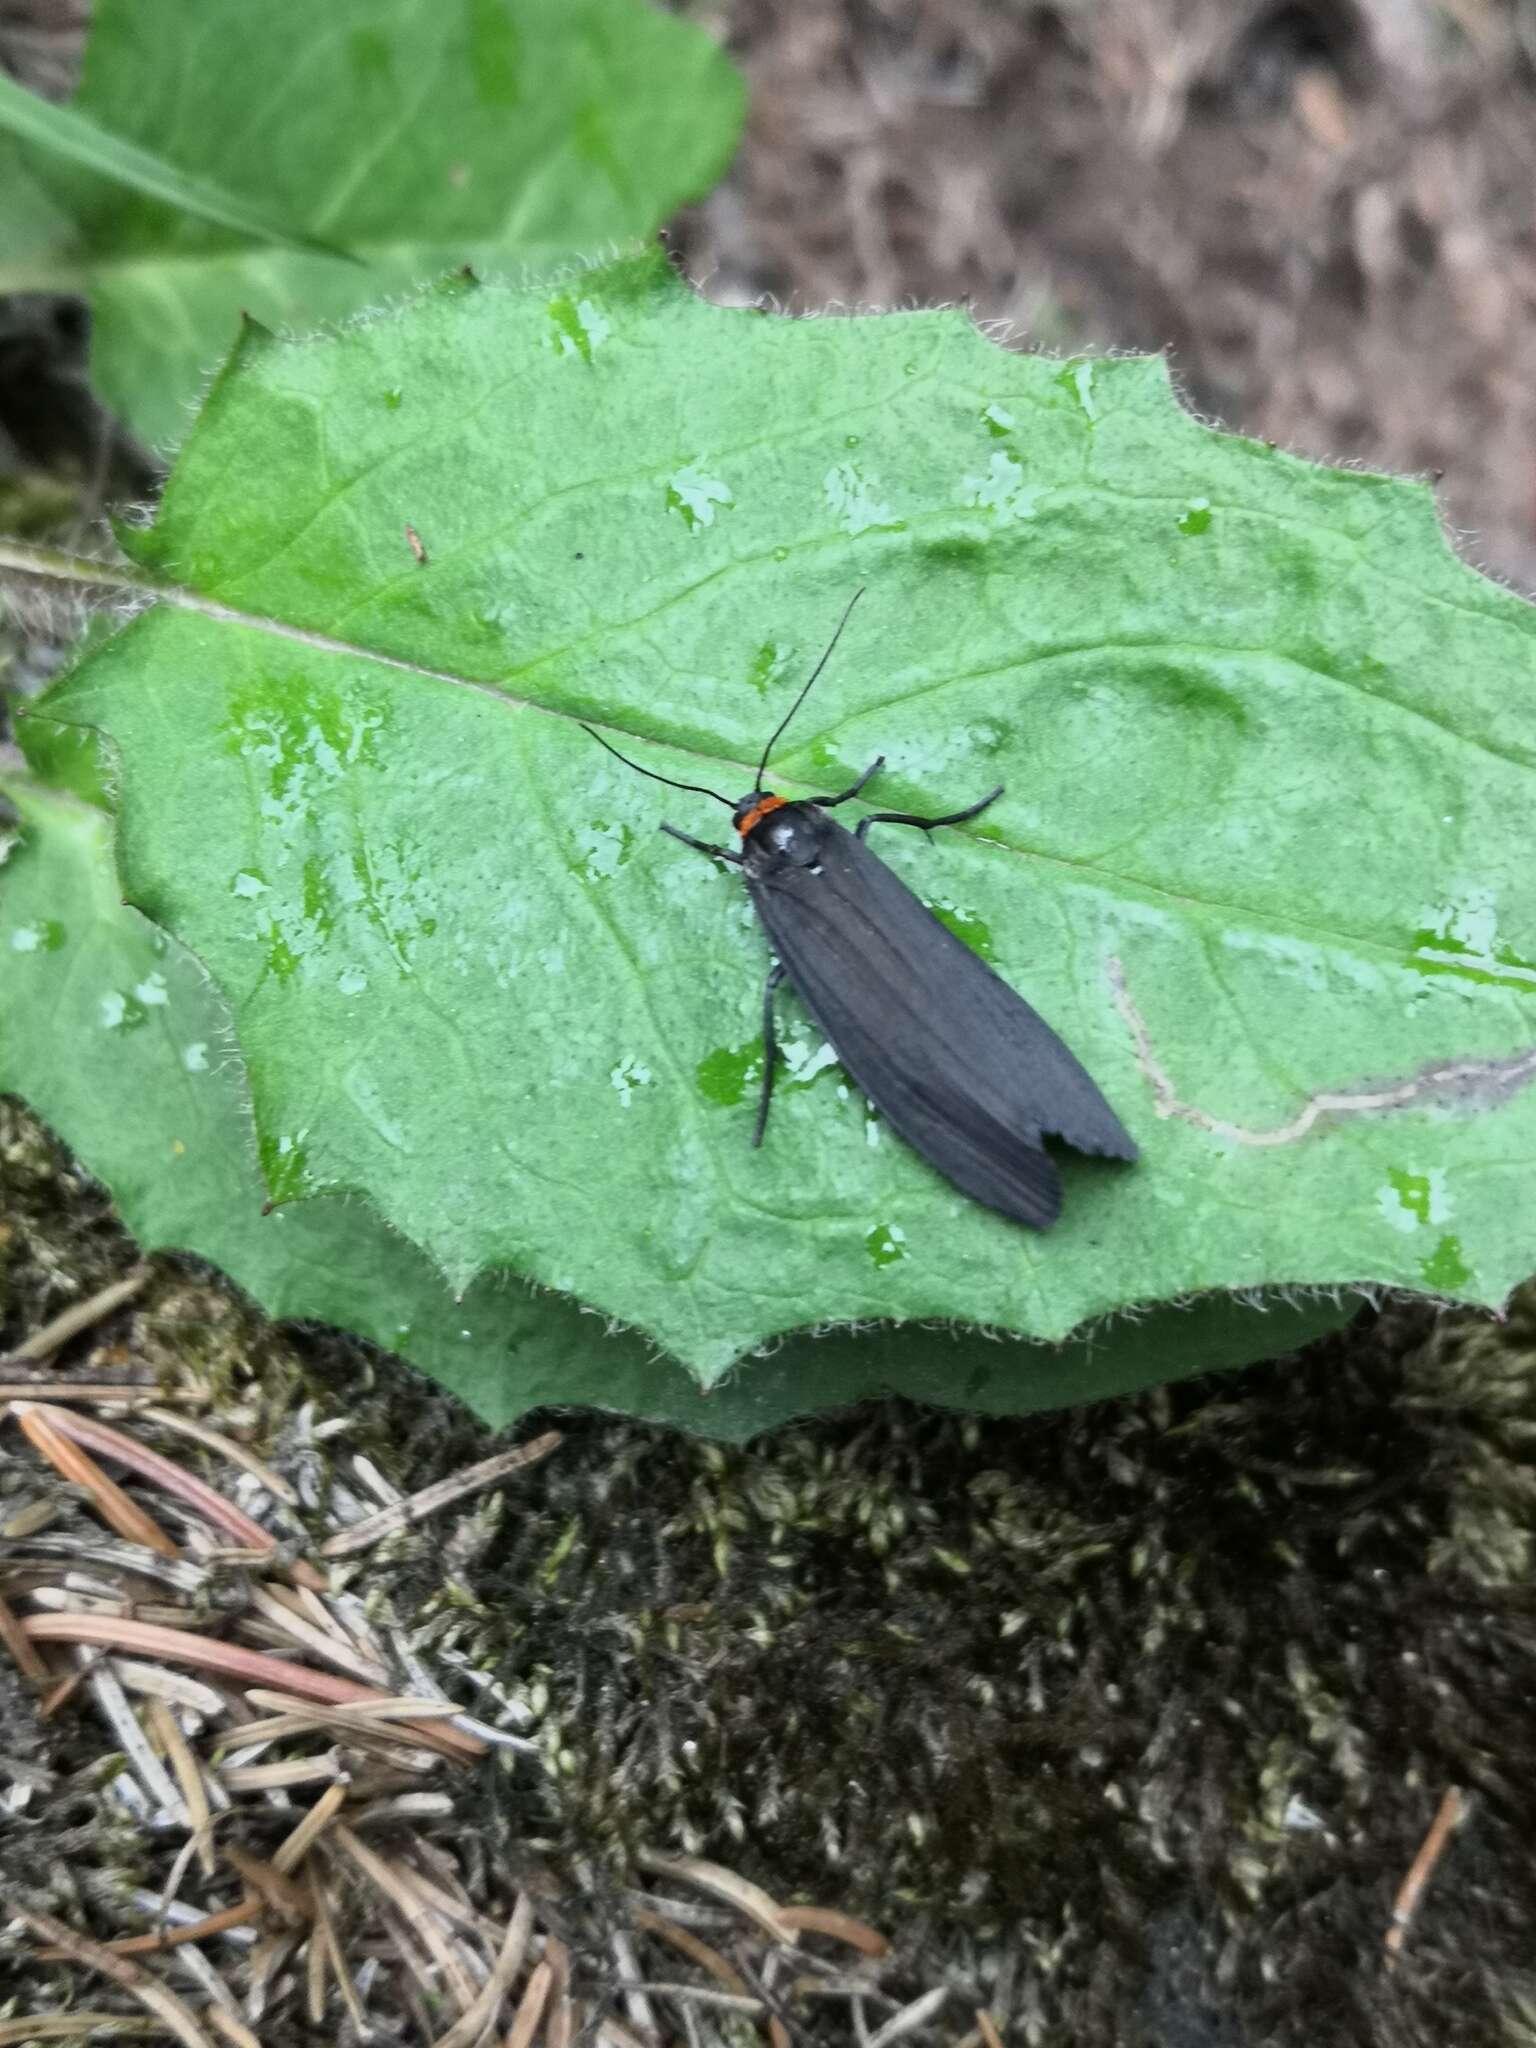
(1127, 1721)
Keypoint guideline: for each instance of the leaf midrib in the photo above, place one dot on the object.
(49, 562)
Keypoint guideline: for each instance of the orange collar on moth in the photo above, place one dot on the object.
(758, 812)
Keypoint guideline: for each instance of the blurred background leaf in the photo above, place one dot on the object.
(66, 133)
(506, 134)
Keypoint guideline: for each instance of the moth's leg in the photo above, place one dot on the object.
(827, 802)
(925, 824)
(702, 845)
(770, 1051)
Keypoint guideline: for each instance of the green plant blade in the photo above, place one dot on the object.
(66, 132)
(109, 1029)
(1268, 748)
(507, 134)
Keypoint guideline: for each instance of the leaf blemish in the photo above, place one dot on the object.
(605, 850)
(580, 329)
(1002, 490)
(693, 496)
(851, 501)
(1410, 1200)
(118, 1012)
(1467, 1085)
(806, 1057)
(1078, 379)
(1461, 936)
(627, 1076)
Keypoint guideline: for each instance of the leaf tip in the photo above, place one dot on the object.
(253, 333)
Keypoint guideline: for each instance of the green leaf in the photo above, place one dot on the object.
(499, 133)
(109, 1029)
(66, 132)
(1261, 858)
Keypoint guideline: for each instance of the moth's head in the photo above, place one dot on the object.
(751, 809)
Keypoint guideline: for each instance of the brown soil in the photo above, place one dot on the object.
(1323, 211)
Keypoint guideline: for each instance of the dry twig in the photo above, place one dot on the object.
(531, 2010)
(205, 1500)
(124, 1515)
(81, 1315)
(720, 1883)
(838, 1926)
(473, 1479)
(154, 1996)
(480, 2013)
(1448, 1817)
(250, 1667)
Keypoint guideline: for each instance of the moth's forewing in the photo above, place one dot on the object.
(954, 1058)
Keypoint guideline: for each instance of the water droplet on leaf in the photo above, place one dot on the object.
(885, 1244)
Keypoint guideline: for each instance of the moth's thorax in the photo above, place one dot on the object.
(778, 834)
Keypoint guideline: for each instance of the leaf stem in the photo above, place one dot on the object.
(63, 568)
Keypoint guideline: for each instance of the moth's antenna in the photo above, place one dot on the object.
(762, 766)
(697, 788)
